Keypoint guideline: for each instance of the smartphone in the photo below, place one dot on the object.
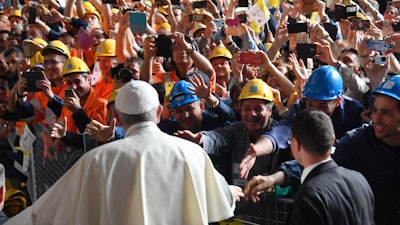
(243, 3)
(168, 87)
(164, 46)
(345, 12)
(32, 77)
(359, 24)
(69, 93)
(250, 58)
(233, 22)
(219, 22)
(138, 22)
(196, 18)
(379, 45)
(297, 28)
(199, 4)
(32, 15)
(26, 48)
(218, 35)
(305, 50)
(380, 59)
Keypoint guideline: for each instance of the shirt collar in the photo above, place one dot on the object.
(309, 168)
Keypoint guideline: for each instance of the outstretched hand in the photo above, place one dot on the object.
(101, 133)
(59, 129)
(248, 161)
(258, 185)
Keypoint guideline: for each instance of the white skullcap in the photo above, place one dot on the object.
(136, 97)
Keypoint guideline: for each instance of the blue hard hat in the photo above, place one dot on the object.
(181, 94)
(325, 83)
(391, 87)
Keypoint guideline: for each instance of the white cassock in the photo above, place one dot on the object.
(148, 177)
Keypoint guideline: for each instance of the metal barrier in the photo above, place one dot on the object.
(268, 212)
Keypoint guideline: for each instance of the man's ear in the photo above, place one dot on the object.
(338, 100)
(159, 113)
(295, 144)
(117, 117)
(202, 105)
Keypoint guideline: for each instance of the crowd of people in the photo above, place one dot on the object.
(197, 106)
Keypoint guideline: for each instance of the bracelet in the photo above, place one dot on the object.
(190, 52)
(283, 111)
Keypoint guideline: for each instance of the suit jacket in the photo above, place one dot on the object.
(333, 195)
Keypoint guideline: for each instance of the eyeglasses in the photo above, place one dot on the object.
(51, 62)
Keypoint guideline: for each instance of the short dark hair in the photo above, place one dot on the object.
(314, 130)
(15, 50)
(352, 50)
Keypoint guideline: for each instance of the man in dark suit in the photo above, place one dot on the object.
(329, 194)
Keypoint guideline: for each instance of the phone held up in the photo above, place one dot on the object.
(250, 58)
(69, 93)
(379, 45)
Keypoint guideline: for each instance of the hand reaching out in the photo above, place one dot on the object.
(59, 130)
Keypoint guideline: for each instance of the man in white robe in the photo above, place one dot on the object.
(148, 177)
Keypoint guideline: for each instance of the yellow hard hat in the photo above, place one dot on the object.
(40, 41)
(220, 51)
(88, 6)
(114, 11)
(37, 58)
(106, 48)
(16, 12)
(163, 10)
(94, 11)
(165, 26)
(57, 46)
(112, 96)
(256, 89)
(197, 27)
(74, 65)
